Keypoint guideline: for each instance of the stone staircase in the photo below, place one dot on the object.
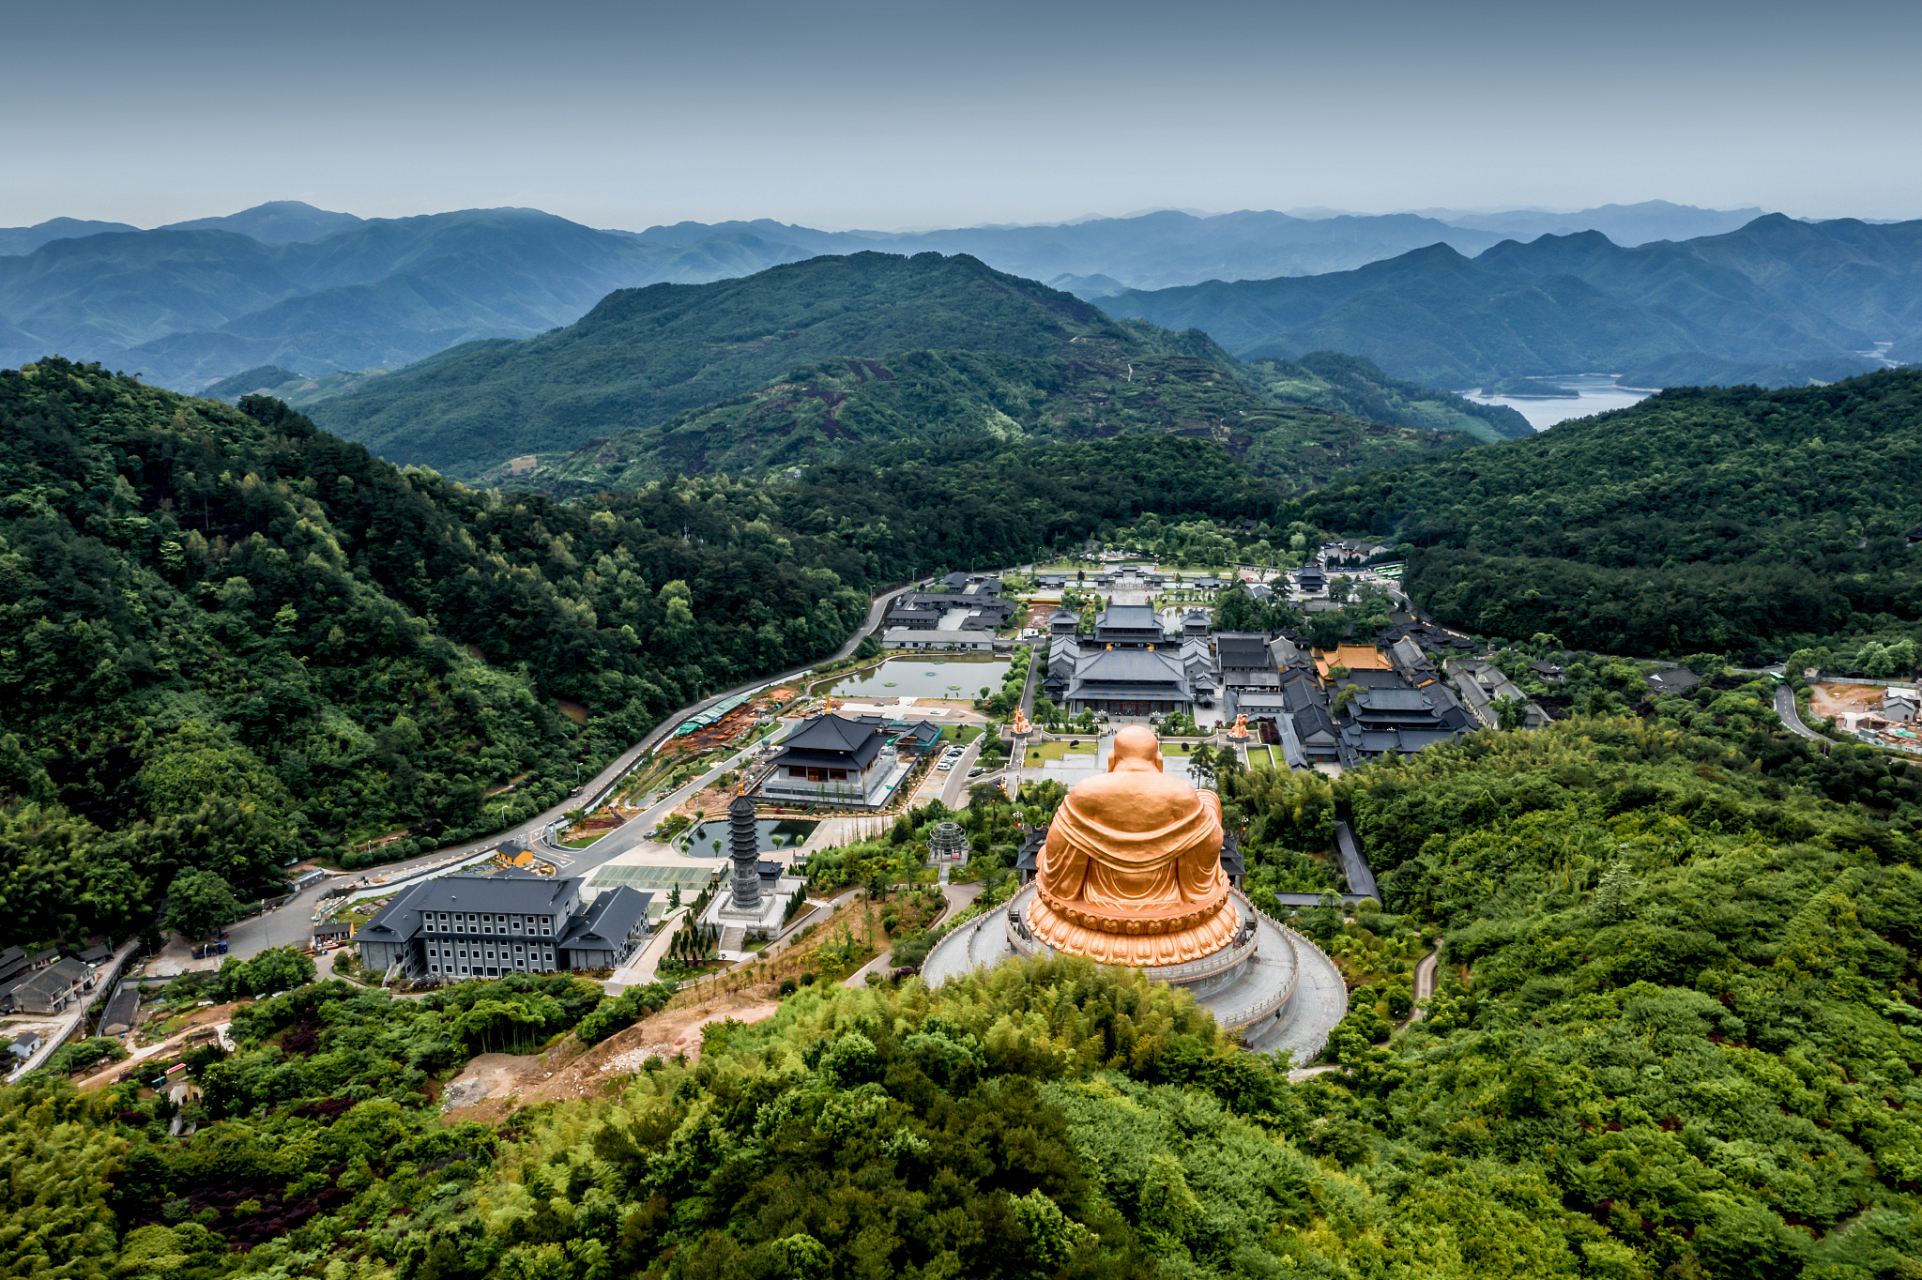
(734, 938)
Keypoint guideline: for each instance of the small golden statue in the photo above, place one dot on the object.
(1240, 732)
(1021, 725)
(1131, 873)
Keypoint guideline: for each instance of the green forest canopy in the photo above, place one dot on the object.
(641, 356)
(1119, 381)
(1697, 520)
(1676, 1035)
(232, 638)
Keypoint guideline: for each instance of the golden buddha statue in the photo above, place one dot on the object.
(1131, 872)
(1021, 724)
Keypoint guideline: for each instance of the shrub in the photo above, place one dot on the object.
(81, 1054)
(622, 1012)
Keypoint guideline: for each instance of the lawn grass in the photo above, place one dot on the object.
(1059, 750)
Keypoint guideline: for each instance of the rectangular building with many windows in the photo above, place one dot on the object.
(459, 927)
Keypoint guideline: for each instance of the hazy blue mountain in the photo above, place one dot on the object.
(15, 240)
(188, 307)
(1779, 300)
(1865, 275)
(276, 222)
(1431, 316)
(98, 295)
(1728, 312)
(1171, 248)
(1625, 224)
(1149, 250)
(1088, 288)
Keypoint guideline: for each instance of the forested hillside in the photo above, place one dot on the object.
(1358, 388)
(813, 360)
(1111, 382)
(232, 638)
(1716, 520)
(642, 356)
(1674, 1037)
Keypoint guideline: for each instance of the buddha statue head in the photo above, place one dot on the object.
(1136, 748)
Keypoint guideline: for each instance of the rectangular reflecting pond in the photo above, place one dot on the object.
(770, 834)
(959, 676)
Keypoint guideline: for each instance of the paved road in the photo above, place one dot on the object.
(1792, 716)
(292, 922)
(1424, 982)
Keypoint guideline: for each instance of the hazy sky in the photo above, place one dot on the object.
(905, 113)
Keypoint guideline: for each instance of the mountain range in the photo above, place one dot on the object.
(1777, 300)
(1625, 224)
(814, 359)
(190, 304)
(318, 292)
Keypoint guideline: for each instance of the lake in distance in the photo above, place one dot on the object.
(1594, 393)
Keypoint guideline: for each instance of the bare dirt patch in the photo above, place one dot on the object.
(1834, 699)
(493, 1085)
(192, 1032)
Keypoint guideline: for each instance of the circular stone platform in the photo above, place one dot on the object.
(1272, 985)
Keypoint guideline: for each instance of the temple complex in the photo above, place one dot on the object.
(1131, 872)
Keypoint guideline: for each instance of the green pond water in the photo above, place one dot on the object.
(926, 677)
(770, 834)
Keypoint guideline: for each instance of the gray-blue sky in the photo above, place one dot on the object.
(908, 113)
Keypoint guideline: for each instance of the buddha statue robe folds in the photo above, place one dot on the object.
(1131, 872)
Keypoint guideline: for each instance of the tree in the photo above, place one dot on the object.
(1511, 713)
(1201, 765)
(1326, 630)
(1618, 885)
(199, 902)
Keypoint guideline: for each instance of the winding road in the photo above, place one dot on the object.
(1792, 715)
(1424, 982)
(291, 924)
